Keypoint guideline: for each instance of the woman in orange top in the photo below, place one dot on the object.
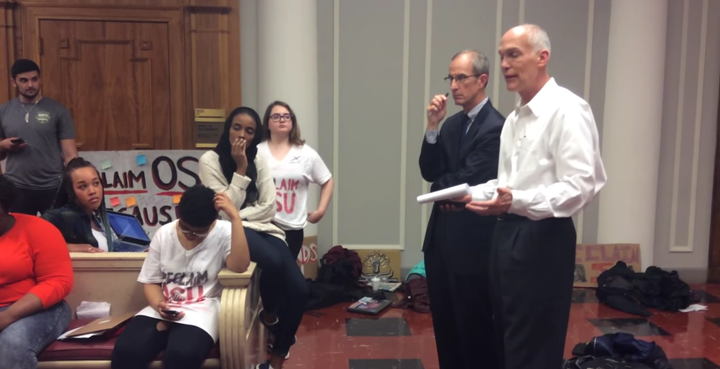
(35, 277)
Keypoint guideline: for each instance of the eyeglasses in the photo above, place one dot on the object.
(460, 77)
(193, 233)
(278, 117)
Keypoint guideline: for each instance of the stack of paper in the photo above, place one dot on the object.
(445, 194)
(98, 327)
(93, 310)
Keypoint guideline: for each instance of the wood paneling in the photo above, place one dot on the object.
(113, 76)
(213, 57)
(7, 44)
(131, 71)
(714, 257)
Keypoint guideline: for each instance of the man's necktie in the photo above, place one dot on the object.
(465, 125)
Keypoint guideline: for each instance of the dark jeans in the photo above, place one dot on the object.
(32, 202)
(282, 286)
(21, 342)
(183, 346)
(294, 240)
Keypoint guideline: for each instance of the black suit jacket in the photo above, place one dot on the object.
(462, 238)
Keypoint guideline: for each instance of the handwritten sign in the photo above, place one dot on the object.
(591, 260)
(147, 187)
(307, 259)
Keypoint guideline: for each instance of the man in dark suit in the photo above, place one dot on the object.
(457, 241)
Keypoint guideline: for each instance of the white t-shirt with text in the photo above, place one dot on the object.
(293, 174)
(189, 278)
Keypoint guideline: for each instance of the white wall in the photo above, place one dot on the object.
(379, 61)
(687, 157)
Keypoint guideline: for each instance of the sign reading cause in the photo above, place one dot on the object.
(591, 260)
(147, 184)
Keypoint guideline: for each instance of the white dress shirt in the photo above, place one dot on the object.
(549, 156)
(431, 134)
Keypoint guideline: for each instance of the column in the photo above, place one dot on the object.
(287, 68)
(632, 123)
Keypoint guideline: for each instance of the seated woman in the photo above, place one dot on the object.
(35, 277)
(180, 276)
(235, 168)
(79, 211)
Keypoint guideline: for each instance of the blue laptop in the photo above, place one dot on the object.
(131, 236)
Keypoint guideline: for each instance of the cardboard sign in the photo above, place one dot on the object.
(591, 260)
(307, 259)
(103, 324)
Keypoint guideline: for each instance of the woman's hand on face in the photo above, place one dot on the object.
(238, 153)
(83, 247)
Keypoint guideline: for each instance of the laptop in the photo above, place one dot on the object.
(131, 236)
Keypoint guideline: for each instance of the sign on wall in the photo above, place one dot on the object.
(591, 260)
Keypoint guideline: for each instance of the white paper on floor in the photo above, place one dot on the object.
(693, 307)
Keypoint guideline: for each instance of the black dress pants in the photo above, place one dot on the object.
(461, 309)
(532, 269)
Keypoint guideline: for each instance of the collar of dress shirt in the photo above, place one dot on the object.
(474, 111)
(542, 99)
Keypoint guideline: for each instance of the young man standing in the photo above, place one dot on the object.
(37, 136)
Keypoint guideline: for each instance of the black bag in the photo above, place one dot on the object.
(618, 350)
(590, 362)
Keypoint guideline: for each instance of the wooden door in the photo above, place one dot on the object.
(714, 257)
(114, 78)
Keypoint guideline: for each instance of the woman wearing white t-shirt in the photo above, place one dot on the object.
(181, 285)
(294, 165)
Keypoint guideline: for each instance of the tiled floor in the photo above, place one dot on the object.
(335, 339)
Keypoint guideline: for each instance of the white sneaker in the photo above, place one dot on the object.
(287, 356)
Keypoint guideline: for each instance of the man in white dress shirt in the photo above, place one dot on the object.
(549, 169)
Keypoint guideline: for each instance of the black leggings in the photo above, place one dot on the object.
(294, 240)
(183, 346)
(282, 286)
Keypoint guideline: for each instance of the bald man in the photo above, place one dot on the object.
(549, 169)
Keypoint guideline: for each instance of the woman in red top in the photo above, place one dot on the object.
(35, 277)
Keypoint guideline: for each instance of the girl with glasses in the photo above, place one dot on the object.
(294, 165)
(181, 284)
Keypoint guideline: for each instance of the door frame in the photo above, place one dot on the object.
(173, 17)
(714, 247)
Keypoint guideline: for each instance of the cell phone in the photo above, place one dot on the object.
(170, 312)
(17, 141)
